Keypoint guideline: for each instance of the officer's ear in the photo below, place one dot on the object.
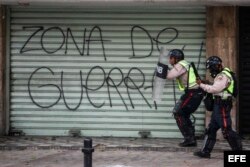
(176, 60)
(219, 66)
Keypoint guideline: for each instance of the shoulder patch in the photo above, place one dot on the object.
(219, 77)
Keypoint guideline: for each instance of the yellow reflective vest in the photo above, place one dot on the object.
(191, 75)
(230, 88)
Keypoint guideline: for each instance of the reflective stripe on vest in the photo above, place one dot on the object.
(191, 75)
(230, 88)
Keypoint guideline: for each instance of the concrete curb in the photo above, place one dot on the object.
(105, 144)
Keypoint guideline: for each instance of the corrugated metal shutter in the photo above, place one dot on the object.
(244, 70)
(62, 61)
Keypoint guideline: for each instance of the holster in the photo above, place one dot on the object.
(209, 102)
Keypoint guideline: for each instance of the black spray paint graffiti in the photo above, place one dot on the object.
(107, 79)
(130, 84)
(89, 40)
(152, 40)
(64, 40)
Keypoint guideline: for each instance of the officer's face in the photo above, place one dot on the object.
(172, 60)
(214, 70)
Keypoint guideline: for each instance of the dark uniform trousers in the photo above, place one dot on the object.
(221, 118)
(187, 104)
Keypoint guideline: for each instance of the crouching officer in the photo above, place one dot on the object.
(190, 100)
(222, 90)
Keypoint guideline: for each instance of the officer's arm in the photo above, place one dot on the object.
(220, 83)
(176, 71)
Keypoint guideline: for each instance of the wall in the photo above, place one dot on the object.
(89, 102)
(2, 68)
(221, 40)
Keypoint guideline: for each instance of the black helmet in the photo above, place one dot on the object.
(177, 54)
(214, 63)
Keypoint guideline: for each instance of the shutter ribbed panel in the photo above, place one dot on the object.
(60, 69)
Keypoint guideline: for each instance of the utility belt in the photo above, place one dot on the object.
(198, 90)
(219, 99)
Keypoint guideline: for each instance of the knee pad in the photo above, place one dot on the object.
(225, 134)
(228, 133)
(176, 115)
(233, 134)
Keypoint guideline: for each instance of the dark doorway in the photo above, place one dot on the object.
(244, 70)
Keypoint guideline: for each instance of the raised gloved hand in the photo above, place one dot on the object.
(198, 81)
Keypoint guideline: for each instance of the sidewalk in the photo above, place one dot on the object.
(76, 143)
(109, 152)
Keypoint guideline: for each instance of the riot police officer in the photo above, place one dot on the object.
(190, 100)
(222, 93)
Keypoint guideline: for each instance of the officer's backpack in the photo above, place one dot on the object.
(235, 88)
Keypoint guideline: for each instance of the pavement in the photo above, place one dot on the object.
(32, 151)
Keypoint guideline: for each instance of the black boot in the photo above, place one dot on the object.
(202, 154)
(234, 141)
(207, 147)
(188, 142)
(183, 131)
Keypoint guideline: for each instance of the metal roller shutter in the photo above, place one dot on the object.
(91, 69)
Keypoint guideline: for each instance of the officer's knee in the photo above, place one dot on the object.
(230, 134)
(226, 133)
(176, 115)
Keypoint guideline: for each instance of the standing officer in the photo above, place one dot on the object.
(190, 100)
(222, 90)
